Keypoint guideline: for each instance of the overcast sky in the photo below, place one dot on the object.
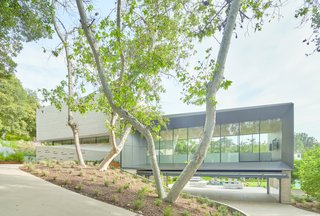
(266, 67)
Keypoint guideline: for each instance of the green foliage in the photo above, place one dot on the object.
(138, 204)
(185, 213)
(295, 171)
(21, 21)
(15, 157)
(17, 108)
(303, 142)
(310, 172)
(168, 211)
(309, 12)
(142, 192)
(223, 210)
(158, 202)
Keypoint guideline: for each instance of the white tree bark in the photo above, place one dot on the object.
(73, 125)
(116, 148)
(212, 88)
(121, 112)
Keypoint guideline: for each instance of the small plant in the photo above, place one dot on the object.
(114, 198)
(186, 195)
(211, 203)
(54, 177)
(201, 200)
(168, 211)
(142, 192)
(135, 176)
(44, 173)
(114, 181)
(96, 192)
(158, 202)
(185, 213)
(236, 213)
(81, 173)
(126, 186)
(92, 178)
(137, 204)
(106, 183)
(120, 189)
(66, 182)
(223, 210)
(70, 171)
(79, 187)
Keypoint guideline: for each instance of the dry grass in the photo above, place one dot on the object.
(122, 189)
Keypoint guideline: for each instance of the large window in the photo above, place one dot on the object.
(249, 141)
(230, 143)
(270, 140)
(213, 154)
(180, 144)
(166, 146)
(234, 142)
(194, 135)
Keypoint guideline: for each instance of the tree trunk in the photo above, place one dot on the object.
(212, 89)
(77, 144)
(116, 149)
(73, 125)
(107, 91)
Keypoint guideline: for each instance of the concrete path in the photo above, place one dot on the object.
(22, 194)
(253, 201)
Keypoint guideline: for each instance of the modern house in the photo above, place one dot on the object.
(247, 142)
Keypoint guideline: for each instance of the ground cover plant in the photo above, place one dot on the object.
(123, 189)
(306, 202)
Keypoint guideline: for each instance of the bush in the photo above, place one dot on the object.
(158, 202)
(168, 211)
(15, 157)
(137, 204)
(309, 172)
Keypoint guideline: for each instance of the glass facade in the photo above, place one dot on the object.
(235, 142)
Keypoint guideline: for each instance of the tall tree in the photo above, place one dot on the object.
(21, 21)
(63, 36)
(304, 142)
(156, 38)
(17, 108)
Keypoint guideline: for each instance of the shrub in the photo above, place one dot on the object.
(137, 204)
(158, 202)
(16, 157)
(168, 211)
(114, 198)
(309, 172)
(142, 192)
(96, 192)
(223, 210)
(126, 186)
(106, 183)
(185, 213)
(120, 189)
(79, 187)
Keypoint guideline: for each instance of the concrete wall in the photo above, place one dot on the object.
(134, 151)
(52, 124)
(67, 153)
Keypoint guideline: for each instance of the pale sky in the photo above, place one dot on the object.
(266, 67)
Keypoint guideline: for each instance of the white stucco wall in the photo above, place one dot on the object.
(52, 124)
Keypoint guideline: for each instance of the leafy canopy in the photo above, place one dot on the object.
(21, 21)
(309, 172)
(17, 108)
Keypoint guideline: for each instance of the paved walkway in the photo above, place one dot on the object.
(22, 194)
(253, 201)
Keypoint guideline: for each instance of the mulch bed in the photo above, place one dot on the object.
(122, 189)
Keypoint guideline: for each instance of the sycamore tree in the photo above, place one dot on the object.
(133, 49)
(21, 21)
(309, 13)
(58, 96)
